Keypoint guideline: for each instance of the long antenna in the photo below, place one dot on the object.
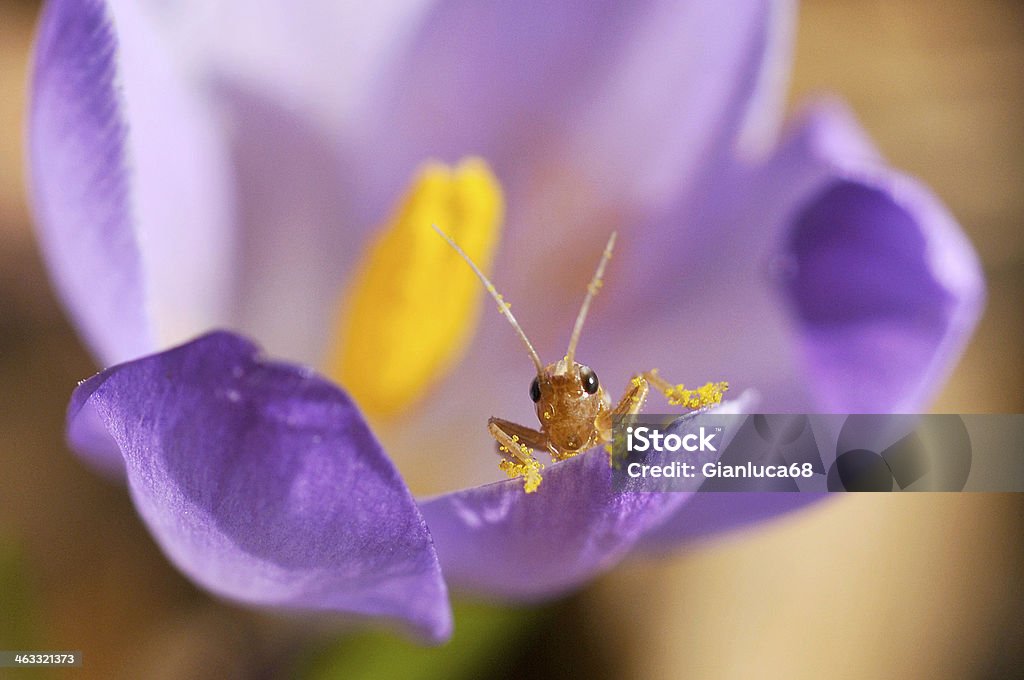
(502, 305)
(592, 288)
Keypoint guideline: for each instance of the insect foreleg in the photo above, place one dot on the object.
(631, 403)
(515, 445)
(634, 398)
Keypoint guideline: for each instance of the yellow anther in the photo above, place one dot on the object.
(412, 306)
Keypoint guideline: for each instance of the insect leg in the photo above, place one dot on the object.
(707, 395)
(639, 386)
(631, 402)
(634, 398)
(532, 438)
(515, 445)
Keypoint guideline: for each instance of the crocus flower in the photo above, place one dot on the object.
(272, 168)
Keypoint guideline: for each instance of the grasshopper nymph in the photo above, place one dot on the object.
(574, 411)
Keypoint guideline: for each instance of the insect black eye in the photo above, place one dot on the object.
(589, 379)
(535, 391)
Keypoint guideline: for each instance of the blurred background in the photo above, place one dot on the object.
(927, 586)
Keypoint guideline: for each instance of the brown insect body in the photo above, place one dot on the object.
(570, 416)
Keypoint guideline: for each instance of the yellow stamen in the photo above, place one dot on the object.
(412, 306)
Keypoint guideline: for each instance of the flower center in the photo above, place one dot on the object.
(412, 306)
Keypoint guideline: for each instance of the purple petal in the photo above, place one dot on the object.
(262, 482)
(80, 181)
(885, 289)
(289, 277)
(129, 181)
(843, 287)
(498, 540)
(339, 105)
(286, 77)
(308, 55)
(604, 109)
(615, 87)
(727, 293)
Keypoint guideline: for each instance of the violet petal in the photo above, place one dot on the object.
(498, 540)
(749, 298)
(861, 295)
(80, 184)
(633, 95)
(605, 111)
(885, 289)
(262, 483)
(129, 181)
